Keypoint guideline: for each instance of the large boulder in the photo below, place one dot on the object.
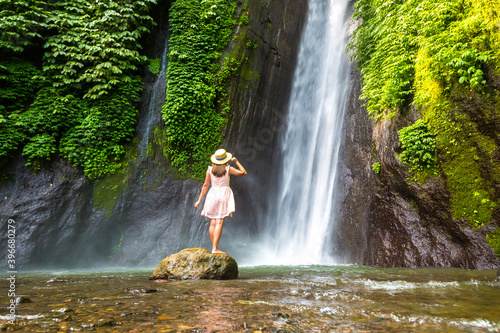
(196, 263)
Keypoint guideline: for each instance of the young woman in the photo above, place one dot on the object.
(220, 200)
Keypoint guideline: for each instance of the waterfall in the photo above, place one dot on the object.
(301, 223)
(154, 104)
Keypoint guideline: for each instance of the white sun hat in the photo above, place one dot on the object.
(221, 157)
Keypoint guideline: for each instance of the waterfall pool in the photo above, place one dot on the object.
(263, 298)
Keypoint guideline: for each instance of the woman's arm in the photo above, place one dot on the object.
(240, 172)
(203, 190)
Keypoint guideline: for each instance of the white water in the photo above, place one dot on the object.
(156, 100)
(302, 222)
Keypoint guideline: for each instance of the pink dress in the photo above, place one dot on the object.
(220, 200)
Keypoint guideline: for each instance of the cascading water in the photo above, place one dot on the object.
(300, 225)
(153, 108)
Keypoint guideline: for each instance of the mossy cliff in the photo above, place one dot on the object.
(430, 81)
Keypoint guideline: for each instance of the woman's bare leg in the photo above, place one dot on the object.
(217, 234)
(211, 230)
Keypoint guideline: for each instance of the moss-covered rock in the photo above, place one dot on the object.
(196, 263)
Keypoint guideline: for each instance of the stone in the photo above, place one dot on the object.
(134, 290)
(196, 263)
(23, 299)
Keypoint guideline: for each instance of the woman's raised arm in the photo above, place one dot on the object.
(236, 172)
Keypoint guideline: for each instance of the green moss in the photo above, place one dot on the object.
(244, 19)
(154, 65)
(494, 241)
(466, 156)
(160, 144)
(108, 189)
(462, 152)
(471, 197)
(116, 248)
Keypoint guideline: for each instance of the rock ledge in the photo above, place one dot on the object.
(196, 263)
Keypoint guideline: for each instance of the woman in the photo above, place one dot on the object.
(220, 200)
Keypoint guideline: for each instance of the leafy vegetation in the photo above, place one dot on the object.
(456, 36)
(419, 146)
(69, 84)
(81, 100)
(22, 21)
(154, 65)
(442, 58)
(494, 241)
(196, 80)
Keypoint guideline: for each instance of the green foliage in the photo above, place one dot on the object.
(17, 88)
(154, 65)
(244, 19)
(83, 101)
(251, 45)
(95, 47)
(21, 21)
(434, 55)
(11, 138)
(419, 146)
(494, 241)
(53, 112)
(200, 30)
(39, 147)
(465, 154)
(97, 143)
(376, 167)
(456, 35)
(17, 85)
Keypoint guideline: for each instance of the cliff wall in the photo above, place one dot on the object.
(387, 219)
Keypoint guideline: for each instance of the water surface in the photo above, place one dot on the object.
(265, 298)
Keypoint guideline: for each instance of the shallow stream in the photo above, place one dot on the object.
(263, 298)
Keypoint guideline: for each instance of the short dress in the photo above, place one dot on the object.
(220, 200)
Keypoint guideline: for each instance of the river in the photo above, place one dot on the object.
(263, 298)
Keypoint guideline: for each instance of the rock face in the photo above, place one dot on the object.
(194, 264)
(388, 221)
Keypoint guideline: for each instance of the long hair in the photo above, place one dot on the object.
(219, 170)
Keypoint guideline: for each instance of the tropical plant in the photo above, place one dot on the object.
(83, 100)
(200, 30)
(419, 146)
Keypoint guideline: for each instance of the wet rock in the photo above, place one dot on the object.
(133, 290)
(196, 263)
(387, 219)
(54, 280)
(23, 299)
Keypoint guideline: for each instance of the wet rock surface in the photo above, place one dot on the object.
(410, 223)
(388, 220)
(194, 264)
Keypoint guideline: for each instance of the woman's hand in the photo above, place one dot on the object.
(196, 204)
(233, 171)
